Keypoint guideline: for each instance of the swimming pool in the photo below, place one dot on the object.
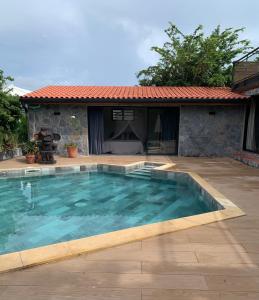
(42, 210)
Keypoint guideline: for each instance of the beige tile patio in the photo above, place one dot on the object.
(206, 247)
(80, 264)
(69, 292)
(200, 268)
(105, 280)
(142, 255)
(233, 283)
(154, 294)
(227, 272)
(227, 257)
(163, 294)
(251, 246)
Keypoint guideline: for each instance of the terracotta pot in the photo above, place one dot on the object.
(30, 158)
(72, 152)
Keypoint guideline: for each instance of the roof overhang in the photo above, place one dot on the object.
(91, 95)
(143, 102)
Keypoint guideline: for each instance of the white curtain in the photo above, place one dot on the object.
(138, 126)
(250, 138)
(120, 127)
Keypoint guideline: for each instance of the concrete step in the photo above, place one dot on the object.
(139, 176)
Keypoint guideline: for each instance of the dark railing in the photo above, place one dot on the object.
(247, 57)
(246, 71)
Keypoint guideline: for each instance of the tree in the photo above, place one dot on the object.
(10, 106)
(195, 59)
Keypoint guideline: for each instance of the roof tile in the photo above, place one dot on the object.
(132, 92)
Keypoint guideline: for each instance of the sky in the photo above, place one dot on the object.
(103, 42)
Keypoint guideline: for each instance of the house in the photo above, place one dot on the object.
(246, 81)
(185, 121)
(16, 91)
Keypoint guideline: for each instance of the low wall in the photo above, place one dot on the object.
(248, 158)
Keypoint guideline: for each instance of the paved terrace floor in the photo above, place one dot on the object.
(215, 261)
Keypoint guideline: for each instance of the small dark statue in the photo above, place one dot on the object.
(45, 139)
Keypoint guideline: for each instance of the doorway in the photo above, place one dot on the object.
(133, 130)
(163, 131)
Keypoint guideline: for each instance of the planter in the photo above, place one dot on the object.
(72, 151)
(30, 158)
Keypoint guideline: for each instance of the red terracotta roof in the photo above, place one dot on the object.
(132, 92)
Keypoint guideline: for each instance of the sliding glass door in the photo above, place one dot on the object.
(162, 130)
(252, 127)
(133, 130)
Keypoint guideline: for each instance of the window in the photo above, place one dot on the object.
(128, 115)
(117, 115)
(123, 115)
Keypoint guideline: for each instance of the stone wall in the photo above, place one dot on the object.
(70, 121)
(203, 130)
(211, 130)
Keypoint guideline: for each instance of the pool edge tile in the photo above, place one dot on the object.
(44, 254)
(10, 262)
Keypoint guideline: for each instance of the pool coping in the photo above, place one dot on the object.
(54, 252)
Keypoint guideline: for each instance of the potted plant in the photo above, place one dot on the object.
(72, 150)
(30, 150)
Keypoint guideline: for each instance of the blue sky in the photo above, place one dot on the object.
(102, 42)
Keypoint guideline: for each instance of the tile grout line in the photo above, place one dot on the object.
(196, 256)
(21, 259)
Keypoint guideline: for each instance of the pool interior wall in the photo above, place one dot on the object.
(41, 216)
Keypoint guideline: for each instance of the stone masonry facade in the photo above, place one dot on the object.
(211, 130)
(204, 130)
(70, 121)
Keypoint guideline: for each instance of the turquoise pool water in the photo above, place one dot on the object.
(38, 211)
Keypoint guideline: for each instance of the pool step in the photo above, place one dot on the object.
(138, 176)
(142, 173)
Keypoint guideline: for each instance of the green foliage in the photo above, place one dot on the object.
(195, 59)
(30, 147)
(74, 145)
(10, 107)
(12, 118)
(22, 129)
(8, 141)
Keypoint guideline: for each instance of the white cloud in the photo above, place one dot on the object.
(100, 41)
(144, 37)
(154, 38)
